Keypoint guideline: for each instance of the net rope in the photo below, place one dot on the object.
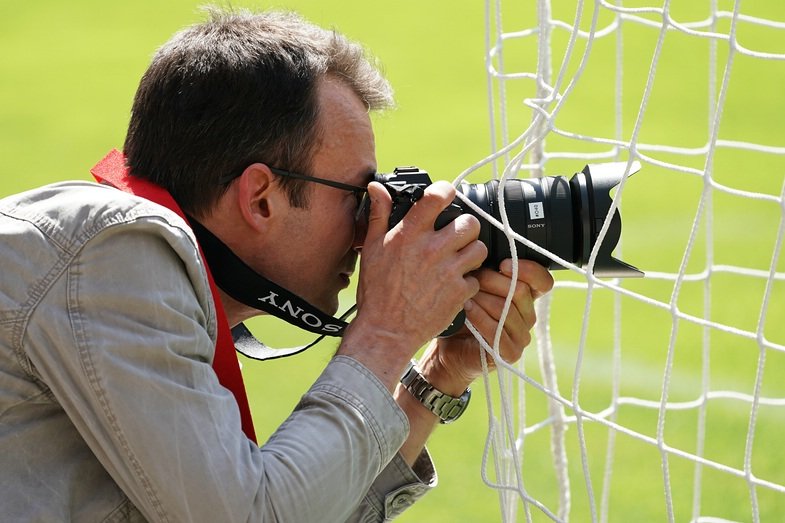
(514, 387)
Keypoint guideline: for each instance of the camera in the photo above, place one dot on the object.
(560, 215)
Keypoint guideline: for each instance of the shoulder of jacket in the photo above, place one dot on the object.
(70, 213)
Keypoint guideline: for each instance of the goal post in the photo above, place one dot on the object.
(661, 398)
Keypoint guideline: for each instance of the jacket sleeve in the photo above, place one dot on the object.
(131, 365)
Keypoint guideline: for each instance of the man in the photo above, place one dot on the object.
(114, 405)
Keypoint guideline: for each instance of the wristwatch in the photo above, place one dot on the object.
(446, 407)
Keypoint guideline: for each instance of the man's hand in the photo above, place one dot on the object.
(451, 364)
(413, 279)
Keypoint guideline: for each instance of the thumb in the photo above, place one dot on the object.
(381, 206)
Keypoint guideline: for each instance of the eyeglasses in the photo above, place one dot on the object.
(358, 192)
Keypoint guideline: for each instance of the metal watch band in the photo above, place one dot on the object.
(447, 408)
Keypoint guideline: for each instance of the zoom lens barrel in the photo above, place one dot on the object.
(560, 215)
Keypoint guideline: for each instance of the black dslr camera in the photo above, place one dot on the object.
(560, 215)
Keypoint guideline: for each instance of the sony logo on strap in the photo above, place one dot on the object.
(297, 313)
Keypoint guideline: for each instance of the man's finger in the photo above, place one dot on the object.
(379, 217)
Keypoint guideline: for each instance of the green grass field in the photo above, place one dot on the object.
(68, 72)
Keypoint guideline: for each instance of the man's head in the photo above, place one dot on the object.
(237, 89)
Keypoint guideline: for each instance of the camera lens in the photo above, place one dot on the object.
(562, 216)
(538, 209)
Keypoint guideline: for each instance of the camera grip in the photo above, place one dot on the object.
(455, 326)
(445, 217)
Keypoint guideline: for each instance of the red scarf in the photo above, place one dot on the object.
(112, 170)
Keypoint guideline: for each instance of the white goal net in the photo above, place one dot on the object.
(662, 398)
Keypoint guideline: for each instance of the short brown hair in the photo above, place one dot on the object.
(236, 89)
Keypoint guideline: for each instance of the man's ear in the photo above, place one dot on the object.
(259, 197)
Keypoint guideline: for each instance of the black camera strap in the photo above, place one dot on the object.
(246, 343)
(250, 288)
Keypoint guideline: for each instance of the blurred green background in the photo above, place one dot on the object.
(68, 72)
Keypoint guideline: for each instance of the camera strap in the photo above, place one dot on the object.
(249, 346)
(250, 288)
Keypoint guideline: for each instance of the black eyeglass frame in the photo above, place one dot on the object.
(357, 190)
